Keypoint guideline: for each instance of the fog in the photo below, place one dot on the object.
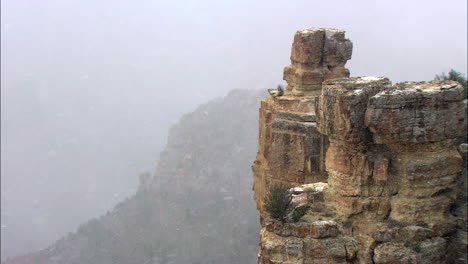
(89, 89)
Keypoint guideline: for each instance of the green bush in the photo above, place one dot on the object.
(299, 212)
(455, 76)
(278, 201)
(280, 89)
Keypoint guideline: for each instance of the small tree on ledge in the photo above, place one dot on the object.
(277, 201)
(454, 75)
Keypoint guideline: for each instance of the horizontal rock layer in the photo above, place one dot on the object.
(384, 157)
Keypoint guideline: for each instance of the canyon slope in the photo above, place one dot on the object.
(196, 208)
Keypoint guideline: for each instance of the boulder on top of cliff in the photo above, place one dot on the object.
(417, 112)
(317, 54)
(341, 108)
(315, 47)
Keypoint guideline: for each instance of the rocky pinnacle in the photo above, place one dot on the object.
(317, 54)
(376, 164)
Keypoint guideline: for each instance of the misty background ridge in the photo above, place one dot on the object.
(200, 191)
(89, 89)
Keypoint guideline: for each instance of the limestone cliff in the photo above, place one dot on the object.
(377, 164)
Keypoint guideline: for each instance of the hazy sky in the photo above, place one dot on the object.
(90, 87)
(186, 43)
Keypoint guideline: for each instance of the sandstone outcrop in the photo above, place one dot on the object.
(317, 54)
(376, 163)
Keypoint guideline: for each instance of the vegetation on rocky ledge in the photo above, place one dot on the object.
(278, 201)
(455, 76)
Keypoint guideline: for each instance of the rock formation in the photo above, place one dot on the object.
(317, 54)
(377, 164)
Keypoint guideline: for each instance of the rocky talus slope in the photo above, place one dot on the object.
(197, 208)
(377, 164)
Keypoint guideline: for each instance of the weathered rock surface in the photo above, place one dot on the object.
(291, 150)
(317, 54)
(417, 112)
(385, 158)
(342, 106)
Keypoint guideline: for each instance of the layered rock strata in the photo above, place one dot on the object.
(317, 54)
(376, 164)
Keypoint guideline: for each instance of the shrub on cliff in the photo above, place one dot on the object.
(299, 212)
(454, 76)
(280, 90)
(277, 201)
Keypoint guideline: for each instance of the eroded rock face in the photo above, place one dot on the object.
(291, 150)
(317, 54)
(342, 106)
(417, 112)
(384, 156)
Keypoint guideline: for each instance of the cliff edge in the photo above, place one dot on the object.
(375, 165)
